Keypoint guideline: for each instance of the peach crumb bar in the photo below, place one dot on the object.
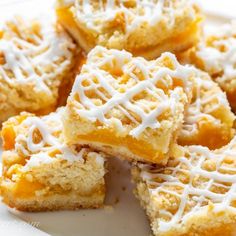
(40, 172)
(127, 106)
(194, 194)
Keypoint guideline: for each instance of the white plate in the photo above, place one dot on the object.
(123, 215)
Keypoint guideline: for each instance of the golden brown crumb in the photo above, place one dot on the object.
(33, 83)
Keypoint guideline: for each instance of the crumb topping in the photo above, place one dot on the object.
(130, 93)
(198, 180)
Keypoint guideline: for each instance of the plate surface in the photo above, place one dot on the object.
(122, 214)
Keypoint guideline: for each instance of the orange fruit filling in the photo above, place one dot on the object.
(21, 188)
(8, 136)
(54, 153)
(1, 34)
(210, 136)
(25, 189)
(137, 147)
(8, 132)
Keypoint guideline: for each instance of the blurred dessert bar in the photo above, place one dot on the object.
(144, 28)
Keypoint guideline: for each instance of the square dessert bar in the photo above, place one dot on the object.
(144, 28)
(195, 194)
(208, 120)
(40, 172)
(216, 54)
(37, 59)
(127, 106)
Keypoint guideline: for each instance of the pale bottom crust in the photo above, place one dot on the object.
(148, 53)
(55, 202)
(120, 152)
(205, 223)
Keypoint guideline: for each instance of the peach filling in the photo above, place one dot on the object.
(8, 132)
(22, 187)
(210, 136)
(8, 135)
(137, 147)
(26, 189)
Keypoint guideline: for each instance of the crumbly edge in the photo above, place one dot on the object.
(13, 102)
(204, 223)
(190, 57)
(222, 125)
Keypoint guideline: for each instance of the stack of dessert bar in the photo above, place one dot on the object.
(130, 79)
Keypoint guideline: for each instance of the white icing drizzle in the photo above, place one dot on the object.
(194, 198)
(97, 62)
(208, 98)
(50, 129)
(220, 55)
(36, 160)
(28, 62)
(135, 14)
